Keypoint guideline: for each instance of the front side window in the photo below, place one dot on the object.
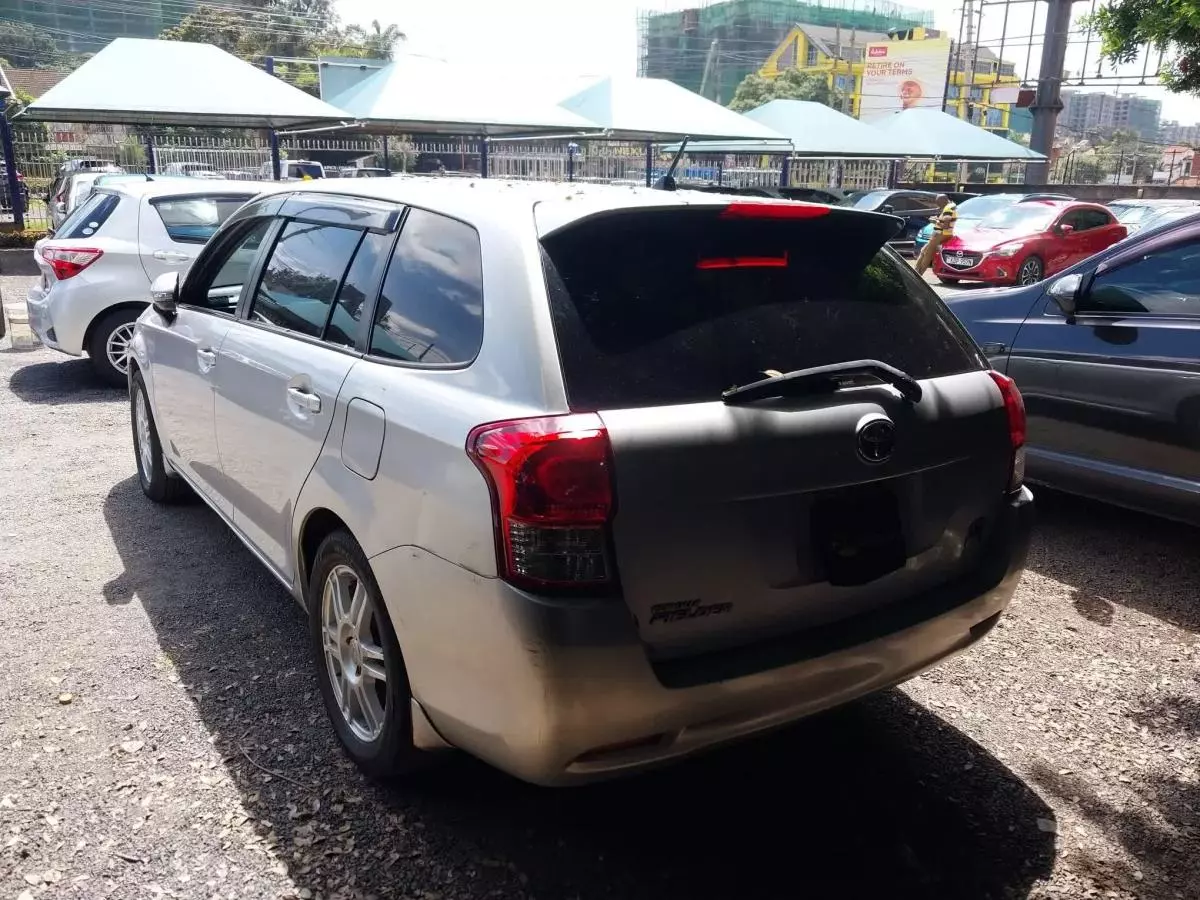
(221, 292)
(193, 220)
(430, 310)
(302, 276)
(1164, 282)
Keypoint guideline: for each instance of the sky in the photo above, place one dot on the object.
(564, 39)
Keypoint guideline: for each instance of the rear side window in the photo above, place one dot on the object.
(676, 306)
(302, 276)
(431, 308)
(193, 220)
(88, 217)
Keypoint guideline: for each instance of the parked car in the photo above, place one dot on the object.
(1107, 356)
(974, 210)
(365, 172)
(1135, 214)
(293, 170)
(191, 170)
(6, 193)
(914, 207)
(74, 190)
(98, 266)
(536, 517)
(71, 167)
(1025, 242)
(1164, 216)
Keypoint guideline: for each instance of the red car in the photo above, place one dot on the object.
(1025, 242)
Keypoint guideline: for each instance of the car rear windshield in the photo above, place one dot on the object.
(88, 217)
(193, 220)
(666, 307)
(312, 170)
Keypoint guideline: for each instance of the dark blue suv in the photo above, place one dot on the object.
(1107, 357)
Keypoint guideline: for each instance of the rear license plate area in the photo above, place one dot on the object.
(856, 535)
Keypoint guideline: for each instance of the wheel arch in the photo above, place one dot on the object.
(319, 523)
(138, 305)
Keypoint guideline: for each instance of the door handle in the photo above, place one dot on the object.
(993, 349)
(305, 399)
(171, 256)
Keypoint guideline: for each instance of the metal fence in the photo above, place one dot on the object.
(42, 149)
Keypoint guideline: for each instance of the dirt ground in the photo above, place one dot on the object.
(161, 734)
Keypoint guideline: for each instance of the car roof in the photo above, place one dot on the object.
(175, 187)
(1156, 201)
(557, 203)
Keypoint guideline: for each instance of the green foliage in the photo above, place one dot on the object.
(17, 240)
(284, 28)
(755, 90)
(26, 47)
(1125, 26)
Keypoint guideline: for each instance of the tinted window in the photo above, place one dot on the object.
(1085, 219)
(1165, 282)
(193, 220)
(903, 203)
(668, 307)
(302, 276)
(225, 287)
(88, 217)
(431, 307)
(358, 286)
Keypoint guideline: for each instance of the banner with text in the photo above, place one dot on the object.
(900, 75)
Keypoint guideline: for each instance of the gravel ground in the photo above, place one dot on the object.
(161, 732)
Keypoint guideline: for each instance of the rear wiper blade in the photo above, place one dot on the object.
(824, 378)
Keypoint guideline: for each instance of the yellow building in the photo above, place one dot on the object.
(840, 54)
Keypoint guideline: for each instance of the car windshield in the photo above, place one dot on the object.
(1134, 215)
(1029, 217)
(300, 169)
(869, 200)
(981, 207)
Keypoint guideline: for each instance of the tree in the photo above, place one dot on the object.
(1125, 26)
(755, 90)
(25, 47)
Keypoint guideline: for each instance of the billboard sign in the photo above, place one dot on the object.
(899, 75)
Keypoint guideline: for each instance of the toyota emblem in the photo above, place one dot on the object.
(876, 439)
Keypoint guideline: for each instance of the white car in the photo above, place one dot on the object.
(293, 170)
(191, 170)
(98, 265)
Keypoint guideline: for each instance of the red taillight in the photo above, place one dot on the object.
(67, 262)
(552, 496)
(744, 262)
(788, 210)
(1014, 406)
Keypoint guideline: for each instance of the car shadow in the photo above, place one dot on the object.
(1116, 552)
(881, 798)
(69, 381)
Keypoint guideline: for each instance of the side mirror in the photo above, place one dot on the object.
(1066, 229)
(1065, 293)
(887, 209)
(60, 208)
(164, 294)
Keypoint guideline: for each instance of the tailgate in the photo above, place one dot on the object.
(734, 523)
(736, 520)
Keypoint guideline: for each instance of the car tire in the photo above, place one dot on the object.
(1031, 271)
(108, 345)
(353, 644)
(945, 280)
(157, 483)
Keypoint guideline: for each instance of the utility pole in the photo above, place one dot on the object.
(1047, 102)
(709, 63)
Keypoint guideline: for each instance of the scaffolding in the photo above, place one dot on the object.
(677, 45)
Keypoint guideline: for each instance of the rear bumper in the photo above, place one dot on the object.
(41, 320)
(561, 692)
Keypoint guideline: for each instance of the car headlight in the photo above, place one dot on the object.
(1008, 250)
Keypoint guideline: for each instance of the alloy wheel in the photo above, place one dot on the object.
(353, 650)
(117, 348)
(145, 448)
(1030, 273)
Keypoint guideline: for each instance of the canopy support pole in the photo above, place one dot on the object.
(572, 149)
(387, 159)
(272, 137)
(649, 163)
(151, 162)
(483, 158)
(10, 161)
(785, 172)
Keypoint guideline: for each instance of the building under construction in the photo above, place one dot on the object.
(730, 40)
